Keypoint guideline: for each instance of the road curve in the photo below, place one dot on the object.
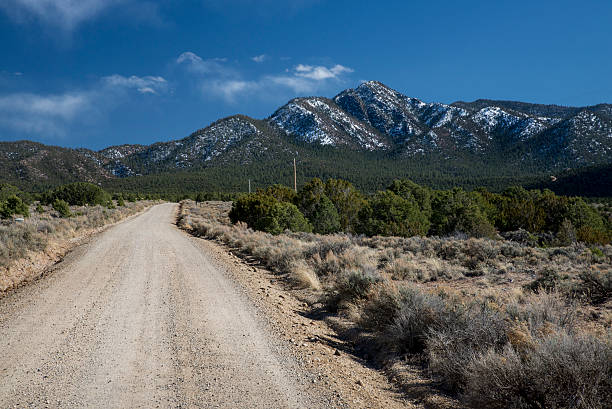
(140, 318)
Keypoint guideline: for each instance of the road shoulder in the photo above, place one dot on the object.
(313, 343)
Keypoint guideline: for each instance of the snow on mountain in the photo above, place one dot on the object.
(371, 117)
(321, 121)
(383, 108)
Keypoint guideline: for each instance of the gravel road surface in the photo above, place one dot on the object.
(140, 318)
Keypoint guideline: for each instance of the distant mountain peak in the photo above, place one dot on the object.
(371, 118)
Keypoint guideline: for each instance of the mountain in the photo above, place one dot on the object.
(371, 133)
(30, 164)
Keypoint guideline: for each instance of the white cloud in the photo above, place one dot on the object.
(53, 114)
(68, 14)
(62, 106)
(259, 58)
(320, 72)
(197, 64)
(216, 78)
(296, 84)
(144, 85)
(188, 56)
(65, 13)
(43, 113)
(303, 79)
(229, 89)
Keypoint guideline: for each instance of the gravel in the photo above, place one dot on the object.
(140, 318)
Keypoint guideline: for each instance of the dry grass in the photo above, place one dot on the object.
(22, 241)
(513, 315)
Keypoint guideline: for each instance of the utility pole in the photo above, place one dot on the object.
(249, 186)
(294, 176)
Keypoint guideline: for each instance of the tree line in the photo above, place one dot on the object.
(406, 209)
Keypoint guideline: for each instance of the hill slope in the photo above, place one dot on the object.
(369, 134)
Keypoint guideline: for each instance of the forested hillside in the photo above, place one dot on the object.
(369, 135)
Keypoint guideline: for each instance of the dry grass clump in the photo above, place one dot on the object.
(529, 354)
(559, 371)
(33, 235)
(499, 323)
(17, 239)
(304, 276)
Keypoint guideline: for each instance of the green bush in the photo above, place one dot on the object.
(281, 193)
(388, 214)
(263, 212)
(325, 218)
(199, 198)
(456, 211)
(408, 209)
(13, 205)
(410, 190)
(347, 200)
(78, 194)
(62, 208)
(310, 196)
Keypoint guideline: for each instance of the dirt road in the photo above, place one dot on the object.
(140, 318)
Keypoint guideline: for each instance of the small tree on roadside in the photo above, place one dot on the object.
(62, 208)
(325, 218)
(199, 198)
(388, 214)
(13, 205)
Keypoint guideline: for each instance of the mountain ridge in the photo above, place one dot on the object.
(371, 122)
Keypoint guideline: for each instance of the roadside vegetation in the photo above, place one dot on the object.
(32, 225)
(504, 300)
(407, 209)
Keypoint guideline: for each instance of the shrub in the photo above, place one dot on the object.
(453, 345)
(410, 190)
(199, 198)
(381, 309)
(418, 314)
(566, 234)
(458, 211)
(281, 193)
(120, 201)
(546, 281)
(13, 205)
(350, 287)
(285, 216)
(263, 212)
(62, 208)
(388, 214)
(595, 286)
(590, 226)
(497, 380)
(309, 198)
(540, 312)
(78, 194)
(560, 371)
(325, 219)
(571, 371)
(347, 200)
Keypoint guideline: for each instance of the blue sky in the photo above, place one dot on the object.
(94, 73)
